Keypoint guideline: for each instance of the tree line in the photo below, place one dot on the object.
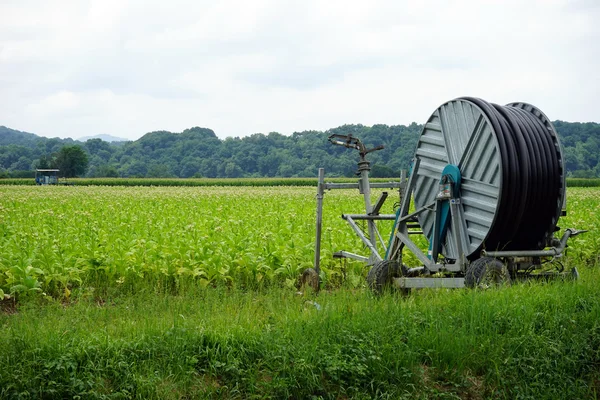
(198, 152)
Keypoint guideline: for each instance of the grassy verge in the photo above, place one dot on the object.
(525, 341)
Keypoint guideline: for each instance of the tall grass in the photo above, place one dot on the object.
(144, 293)
(526, 341)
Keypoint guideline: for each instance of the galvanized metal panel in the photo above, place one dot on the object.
(459, 133)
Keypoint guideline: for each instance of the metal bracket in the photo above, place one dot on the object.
(449, 283)
(379, 203)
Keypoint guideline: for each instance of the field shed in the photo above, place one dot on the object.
(46, 176)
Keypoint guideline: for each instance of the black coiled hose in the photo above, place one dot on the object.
(531, 176)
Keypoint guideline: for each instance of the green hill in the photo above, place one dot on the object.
(198, 152)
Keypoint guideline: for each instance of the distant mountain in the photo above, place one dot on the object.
(106, 138)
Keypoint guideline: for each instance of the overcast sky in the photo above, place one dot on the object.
(127, 67)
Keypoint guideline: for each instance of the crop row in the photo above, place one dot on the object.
(56, 239)
(53, 239)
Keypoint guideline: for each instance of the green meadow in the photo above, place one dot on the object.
(189, 292)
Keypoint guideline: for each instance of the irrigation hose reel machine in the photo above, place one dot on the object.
(486, 189)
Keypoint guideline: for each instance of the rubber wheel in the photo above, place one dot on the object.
(309, 278)
(486, 272)
(382, 274)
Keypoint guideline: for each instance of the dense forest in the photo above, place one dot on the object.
(198, 152)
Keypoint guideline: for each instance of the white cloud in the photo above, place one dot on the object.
(55, 104)
(240, 67)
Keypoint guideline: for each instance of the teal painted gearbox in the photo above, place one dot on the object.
(451, 173)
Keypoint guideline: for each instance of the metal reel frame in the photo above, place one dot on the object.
(449, 273)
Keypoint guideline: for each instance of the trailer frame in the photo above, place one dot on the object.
(494, 266)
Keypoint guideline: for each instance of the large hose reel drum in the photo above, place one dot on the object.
(512, 175)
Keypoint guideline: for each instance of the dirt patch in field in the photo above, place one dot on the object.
(471, 387)
(8, 306)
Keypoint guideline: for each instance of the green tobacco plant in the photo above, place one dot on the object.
(134, 238)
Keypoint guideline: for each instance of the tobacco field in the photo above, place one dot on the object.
(189, 292)
(57, 239)
(54, 240)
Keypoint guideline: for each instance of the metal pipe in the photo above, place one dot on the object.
(521, 253)
(347, 254)
(459, 230)
(450, 283)
(364, 167)
(365, 240)
(427, 207)
(400, 226)
(381, 241)
(405, 205)
(320, 192)
(386, 185)
(552, 252)
(379, 217)
(379, 204)
(329, 186)
(413, 248)
(375, 185)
